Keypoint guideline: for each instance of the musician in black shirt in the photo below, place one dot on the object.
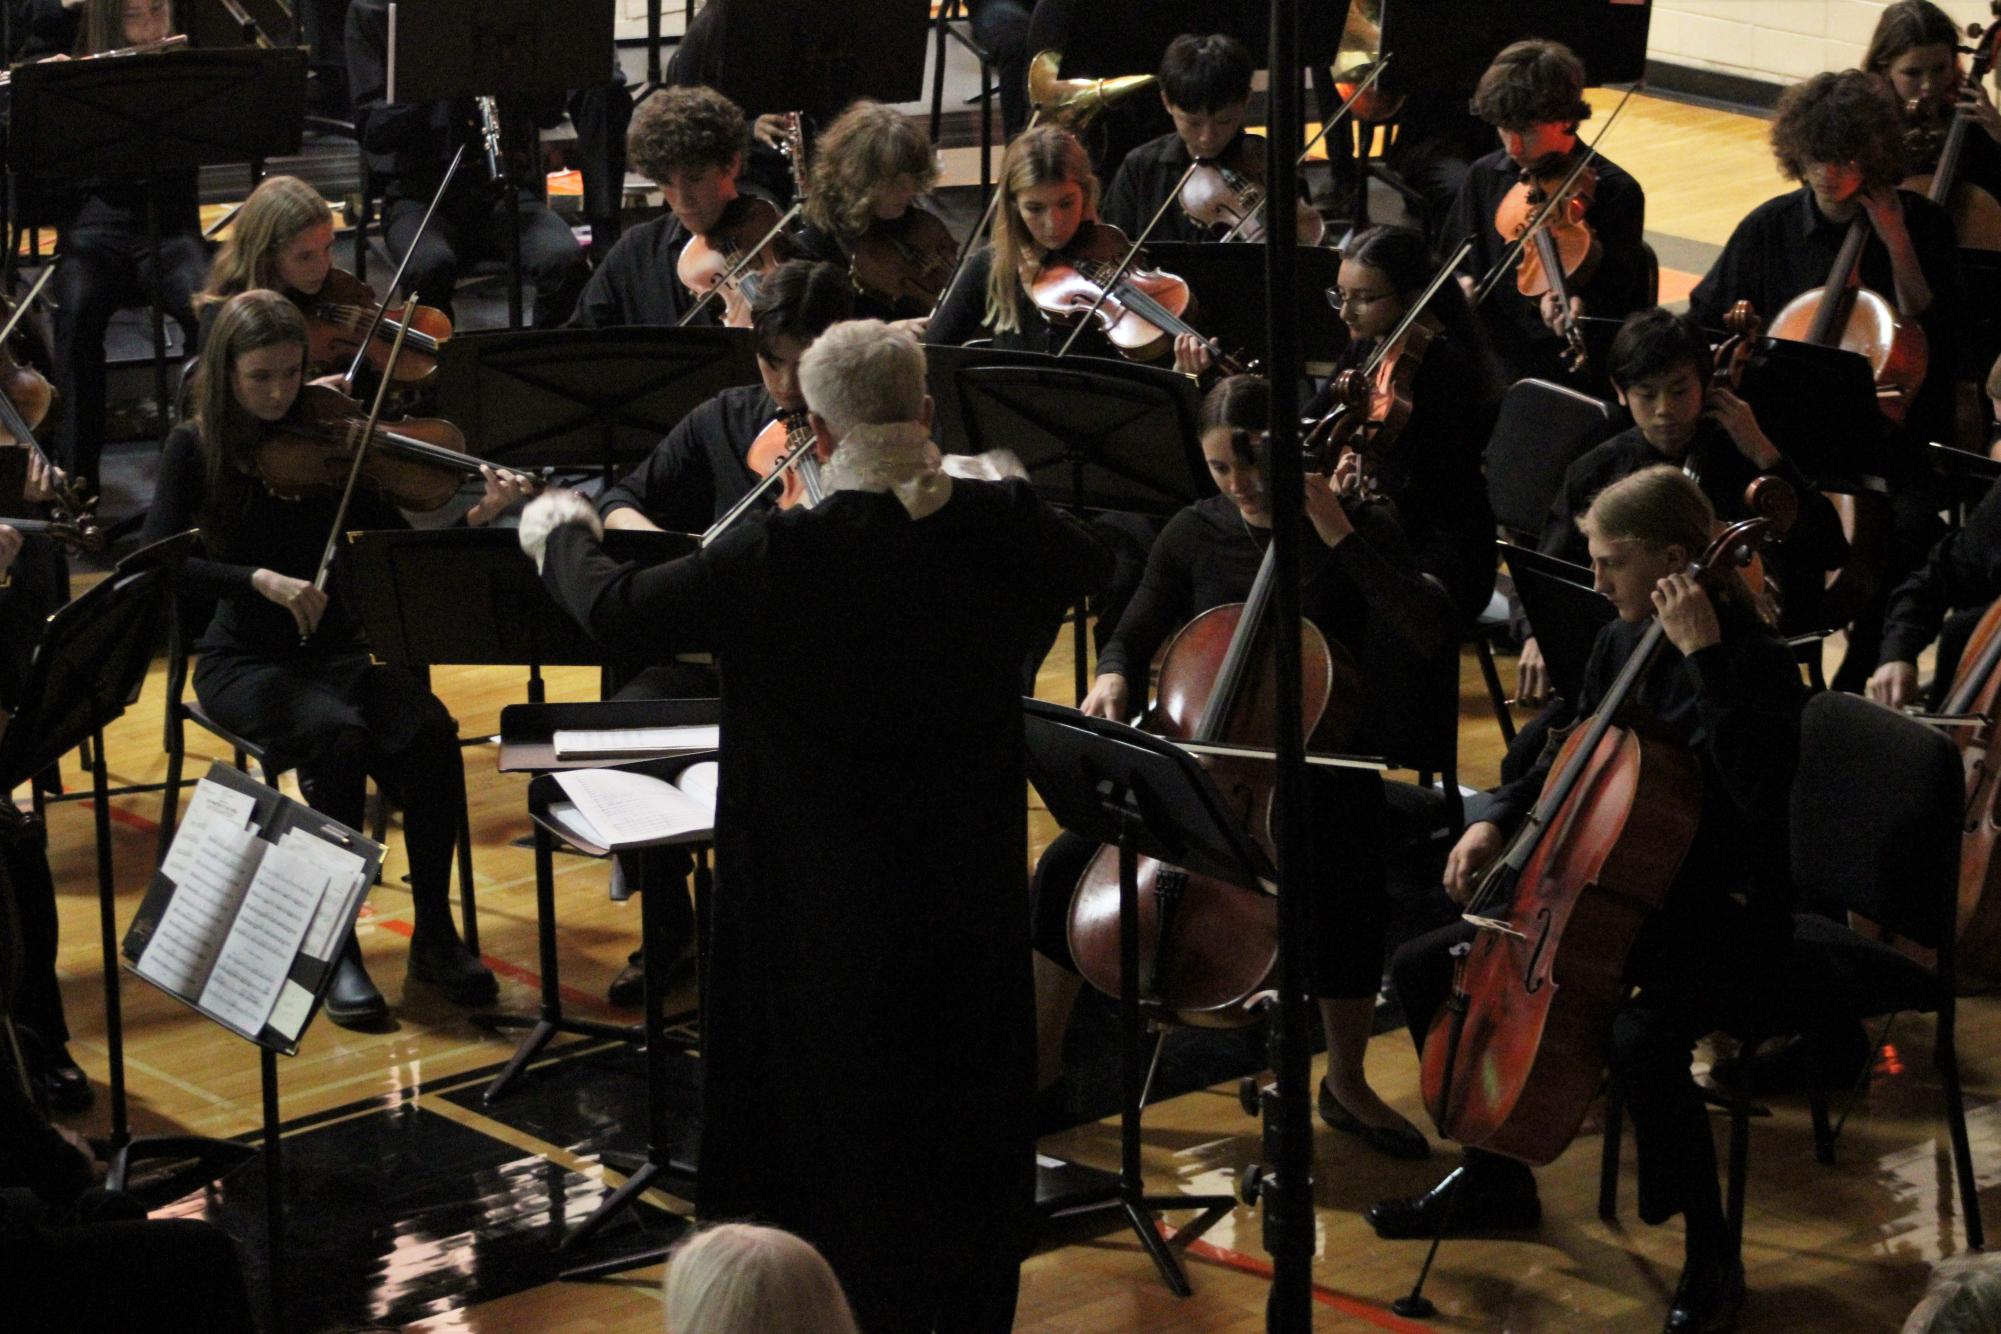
(1962, 573)
(1727, 688)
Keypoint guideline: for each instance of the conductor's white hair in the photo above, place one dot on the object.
(737, 1277)
(863, 373)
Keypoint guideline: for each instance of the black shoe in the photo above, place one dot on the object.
(1396, 1141)
(1707, 1299)
(1487, 1206)
(628, 989)
(64, 1082)
(352, 1000)
(444, 962)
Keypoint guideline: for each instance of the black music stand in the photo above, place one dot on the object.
(169, 112)
(527, 745)
(1093, 434)
(1116, 784)
(1228, 282)
(440, 50)
(594, 400)
(1819, 406)
(817, 56)
(89, 668)
(1563, 608)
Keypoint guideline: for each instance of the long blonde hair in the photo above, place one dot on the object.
(1662, 506)
(1042, 156)
(274, 215)
(737, 1276)
(247, 322)
(865, 149)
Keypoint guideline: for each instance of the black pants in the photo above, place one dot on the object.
(38, 1000)
(341, 720)
(976, 1300)
(110, 1268)
(1351, 911)
(106, 266)
(1692, 986)
(471, 224)
(1001, 29)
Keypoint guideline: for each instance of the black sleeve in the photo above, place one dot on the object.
(674, 486)
(1410, 610)
(601, 306)
(1732, 278)
(1619, 216)
(1463, 221)
(1161, 605)
(382, 126)
(177, 507)
(962, 316)
(664, 609)
(1122, 204)
(32, 1155)
(1070, 561)
(1748, 696)
(1964, 570)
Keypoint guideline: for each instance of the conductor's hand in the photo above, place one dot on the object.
(1191, 355)
(1531, 676)
(550, 511)
(1324, 509)
(306, 603)
(770, 130)
(1894, 684)
(1687, 614)
(10, 547)
(1479, 845)
(504, 489)
(1107, 698)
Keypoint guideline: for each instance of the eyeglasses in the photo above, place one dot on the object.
(1340, 299)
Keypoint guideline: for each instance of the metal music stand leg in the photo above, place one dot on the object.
(274, 1190)
(549, 1019)
(657, 1161)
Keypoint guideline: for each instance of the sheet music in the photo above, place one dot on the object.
(344, 872)
(699, 782)
(625, 809)
(212, 803)
(257, 957)
(635, 743)
(190, 932)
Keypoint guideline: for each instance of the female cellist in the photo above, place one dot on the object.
(282, 663)
(1431, 468)
(1365, 595)
(1726, 689)
(1048, 209)
(1916, 48)
(868, 169)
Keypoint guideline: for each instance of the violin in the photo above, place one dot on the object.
(1227, 195)
(1140, 315)
(1517, 1054)
(734, 257)
(415, 464)
(1562, 250)
(1207, 947)
(1976, 214)
(26, 397)
(346, 308)
(904, 262)
(1373, 406)
(788, 448)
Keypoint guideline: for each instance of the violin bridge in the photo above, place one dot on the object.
(1494, 924)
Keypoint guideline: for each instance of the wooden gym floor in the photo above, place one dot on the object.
(1842, 1248)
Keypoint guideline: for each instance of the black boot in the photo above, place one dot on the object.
(64, 1082)
(1708, 1298)
(1495, 1195)
(440, 958)
(352, 1000)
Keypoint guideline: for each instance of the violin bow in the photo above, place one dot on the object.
(1375, 72)
(744, 261)
(1556, 197)
(1126, 263)
(1416, 310)
(750, 497)
(382, 307)
(367, 437)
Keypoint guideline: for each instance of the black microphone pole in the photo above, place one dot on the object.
(1286, 1189)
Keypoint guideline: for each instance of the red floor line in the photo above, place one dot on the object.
(130, 819)
(1378, 1316)
(526, 976)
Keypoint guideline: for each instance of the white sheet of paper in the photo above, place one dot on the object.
(212, 803)
(626, 743)
(257, 957)
(627, 809)
(288, 1016)
(344, 871)
(191, 931)
(699, 782)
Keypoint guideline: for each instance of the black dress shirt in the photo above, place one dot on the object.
(1964, 570)
(698, 472)
(637, 284)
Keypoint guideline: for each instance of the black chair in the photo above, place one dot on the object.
(180, 711)
(959, 12)
(1875, 831)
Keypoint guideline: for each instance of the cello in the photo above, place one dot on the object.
(1976, 214)
(1515, 1057)
(1975, 699)
(1207, 947)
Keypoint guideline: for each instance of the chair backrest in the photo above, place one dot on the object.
(1651, 275)
(1875, 817)
(1541, 430)
(1566, 611)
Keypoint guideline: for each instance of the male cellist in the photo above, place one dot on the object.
(1728, 689)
